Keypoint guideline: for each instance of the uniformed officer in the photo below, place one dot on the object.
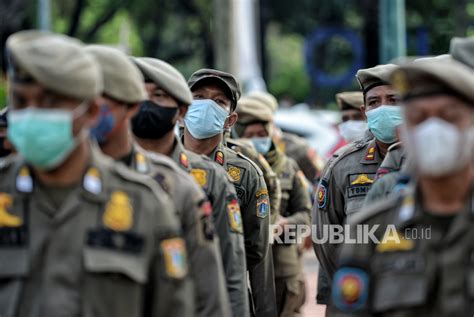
(462, 50)
(123, 90)
(168, 99)
(256, 123)
(80, 235)
(407, 272)
(215, 96)
(291, 144)
(353, 126)
(5, 146)
(350, 173)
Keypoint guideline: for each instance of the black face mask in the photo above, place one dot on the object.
(3, 151)
(153, 121)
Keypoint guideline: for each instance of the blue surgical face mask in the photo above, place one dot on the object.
(44, 136)
(205, 119)
(105, 125)
(382, 122)
(262, 145)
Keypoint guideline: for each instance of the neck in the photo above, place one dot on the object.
(119, 145)
(446, 195)
(70, 171)
(164, 145)
(205, 146)
(382, 148)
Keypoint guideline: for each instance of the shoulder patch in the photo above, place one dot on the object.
(350, 289)
(174, 252)
(235, 217)
(322, 194)
(259, 171)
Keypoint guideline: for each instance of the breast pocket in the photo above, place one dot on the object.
(114, 283)
(14, 269)
(399, 282)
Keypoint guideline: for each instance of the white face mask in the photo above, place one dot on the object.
(353, 130)
(438, 147)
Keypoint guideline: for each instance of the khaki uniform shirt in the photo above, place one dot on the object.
(112, 248)
(227, 221)
(427, 270)
(345, 182)
(295, 207)
(195, 212)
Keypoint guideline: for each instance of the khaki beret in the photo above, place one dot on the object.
(434, 76)
(251, 110)
(228, 80)
(462, 50)
(56, 61)
(122, 79)
(166, 77)
(376, 76)
(350, 100)
(266, 98)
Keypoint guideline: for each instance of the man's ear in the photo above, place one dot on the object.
(132, 110)
(362, 111)
(231, 120)
(93, 110)
(182, 110)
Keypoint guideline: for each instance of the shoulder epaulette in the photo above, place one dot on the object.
(259, 171)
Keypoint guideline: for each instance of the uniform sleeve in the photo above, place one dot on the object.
(226, 215)
(256, 218)
(299, 205)
(327, 210)
(205, 262)
(169, 291)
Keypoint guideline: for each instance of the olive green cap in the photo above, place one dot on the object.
(266, 98)
(433, 77)
(462, 50)
(166, 77)
(228, 80)
(122, 79)
(376, 76)
(350, 100)
(56, 61)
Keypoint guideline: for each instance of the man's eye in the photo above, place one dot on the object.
(197, 96)
(220, 102)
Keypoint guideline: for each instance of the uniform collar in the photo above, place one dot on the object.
(410, 213)
(371, 154)
(92, 182)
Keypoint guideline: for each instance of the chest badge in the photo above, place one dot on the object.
(7, 219)
(234, 173)
(362, 179)
(118, 213)
(394, 241)
(200, 176)
(370, 156)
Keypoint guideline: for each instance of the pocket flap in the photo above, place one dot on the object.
(398, 291)
(14, 263)
(107, 261)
